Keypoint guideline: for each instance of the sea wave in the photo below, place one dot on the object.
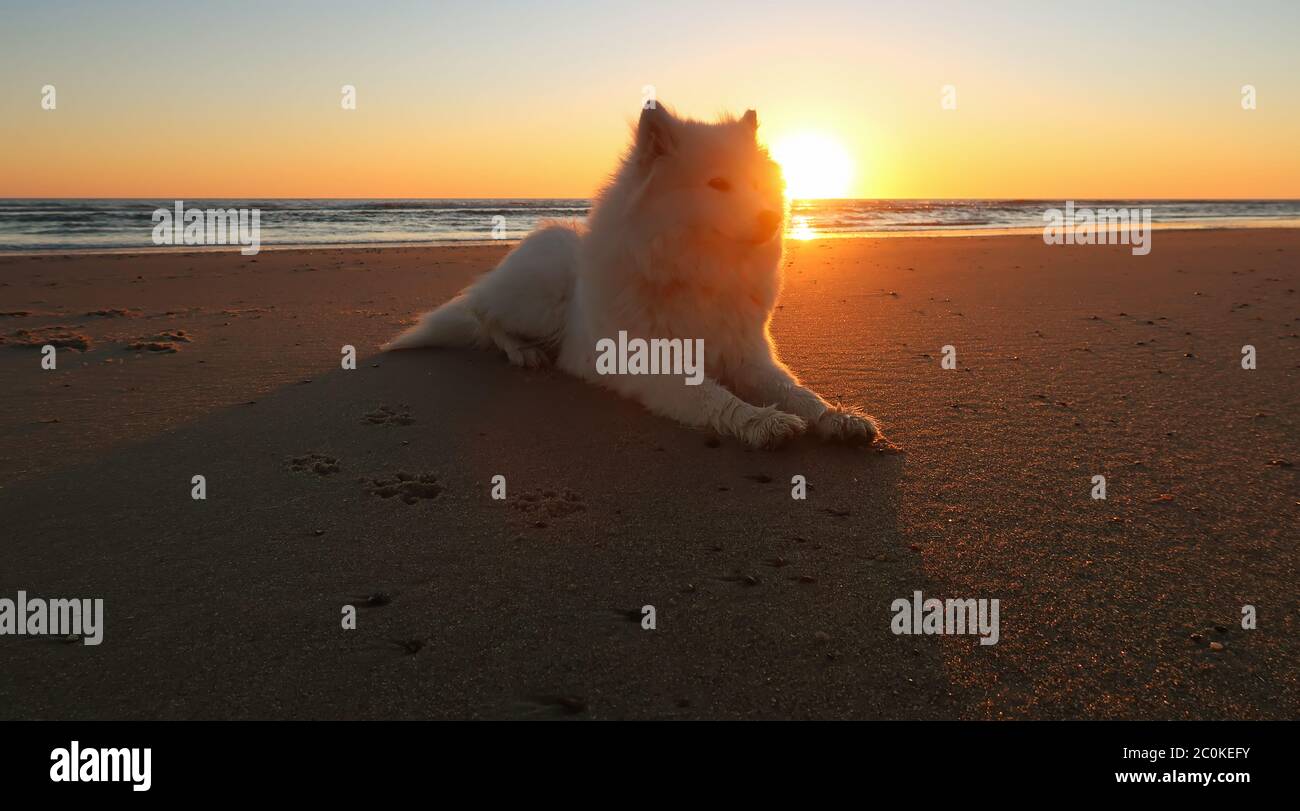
(106, 224)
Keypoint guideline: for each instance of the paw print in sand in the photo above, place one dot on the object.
(539, 504)
(406, 486)
(316, 463)
(387, 415)
(164, 342)
(58, 337)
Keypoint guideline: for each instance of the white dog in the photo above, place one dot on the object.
(683, 243)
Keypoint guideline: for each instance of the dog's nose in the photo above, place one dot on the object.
(768, 222)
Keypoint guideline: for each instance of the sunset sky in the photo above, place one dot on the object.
(534, 99)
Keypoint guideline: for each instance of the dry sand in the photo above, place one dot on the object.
(1072, 361)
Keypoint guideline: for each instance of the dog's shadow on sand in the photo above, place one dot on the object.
(543, 429)
(381, 480)
(762, 565)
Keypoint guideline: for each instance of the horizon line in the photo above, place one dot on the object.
(793, 200)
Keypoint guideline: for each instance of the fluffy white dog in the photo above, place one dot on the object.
(683, 243)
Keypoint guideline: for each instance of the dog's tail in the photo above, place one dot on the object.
(452, 324)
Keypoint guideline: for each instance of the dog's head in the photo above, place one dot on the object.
(712, 180)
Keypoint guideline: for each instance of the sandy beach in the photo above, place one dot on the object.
(328, 487)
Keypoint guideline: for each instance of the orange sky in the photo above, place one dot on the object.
(536, 102)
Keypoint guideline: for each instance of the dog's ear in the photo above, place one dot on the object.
(750, 120)
(655, 135)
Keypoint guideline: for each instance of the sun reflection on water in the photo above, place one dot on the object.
(801, 228)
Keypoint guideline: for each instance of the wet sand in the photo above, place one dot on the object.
(371, 487)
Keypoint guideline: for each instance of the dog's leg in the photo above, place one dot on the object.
(520, 353)
(710, 405)
(767, 380)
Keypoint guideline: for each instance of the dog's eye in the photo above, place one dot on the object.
(720, 183)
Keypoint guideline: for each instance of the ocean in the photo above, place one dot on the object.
(30, 225)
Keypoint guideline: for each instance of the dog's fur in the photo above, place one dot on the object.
(684, 242)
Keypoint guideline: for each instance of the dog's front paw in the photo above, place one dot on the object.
(768, 428)
(847, 425)
(529, 357)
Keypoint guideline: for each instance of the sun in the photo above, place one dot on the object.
(815, 166)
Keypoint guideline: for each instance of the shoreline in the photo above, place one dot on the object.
(1233, 225)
